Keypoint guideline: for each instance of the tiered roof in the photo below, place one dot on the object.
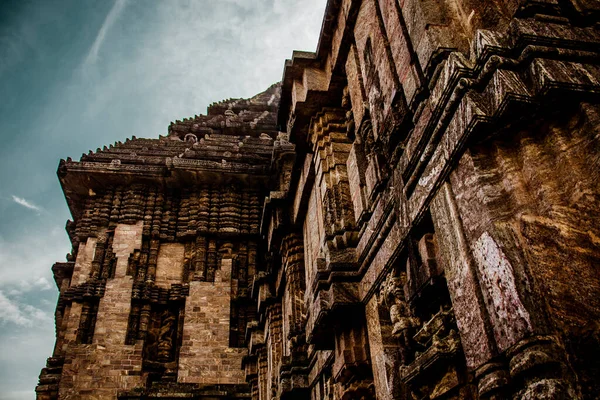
(233, 142)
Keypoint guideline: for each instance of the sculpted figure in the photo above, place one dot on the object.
(191, 138)
(165, 336)
(403, 320)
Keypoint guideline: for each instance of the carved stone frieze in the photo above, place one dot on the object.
(410, 214)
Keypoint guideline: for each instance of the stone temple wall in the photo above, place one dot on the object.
(155, 296)
(445, 195)
(412, 213)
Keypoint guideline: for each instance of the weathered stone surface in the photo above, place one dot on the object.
(170, 264)
(205, 355)
(426, 226)
(166, 254)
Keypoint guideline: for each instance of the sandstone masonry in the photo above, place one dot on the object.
(412, 213)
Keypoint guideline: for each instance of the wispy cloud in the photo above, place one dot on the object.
(19, 313)
(10, 312)
(21, 201)
(25, 286)
(110, 19)
(25, 260)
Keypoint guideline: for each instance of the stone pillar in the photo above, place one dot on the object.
(384, 353)
(492, 380)
(274, 344)
(539, 369)
(467, 299)
(263, 392)
(293, 379)
(462, 279)
(293, 264)
(351, 368)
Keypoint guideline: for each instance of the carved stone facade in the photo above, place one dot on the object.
(411, 214)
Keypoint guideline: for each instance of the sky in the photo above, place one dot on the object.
(76, 75)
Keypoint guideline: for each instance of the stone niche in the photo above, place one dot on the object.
(418, 346)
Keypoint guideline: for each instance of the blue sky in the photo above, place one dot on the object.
(76, 75)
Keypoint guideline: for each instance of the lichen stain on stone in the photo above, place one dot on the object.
(512, 321)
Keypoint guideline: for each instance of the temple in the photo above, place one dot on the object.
(411, 213)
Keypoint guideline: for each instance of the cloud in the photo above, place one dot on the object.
(171, 61)
(23, 351)
(21, 201)
(42, 283)
(10, 312)
(26, 259)
(38, 284)
(110, 19)
(20, 314)
(17, 395)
